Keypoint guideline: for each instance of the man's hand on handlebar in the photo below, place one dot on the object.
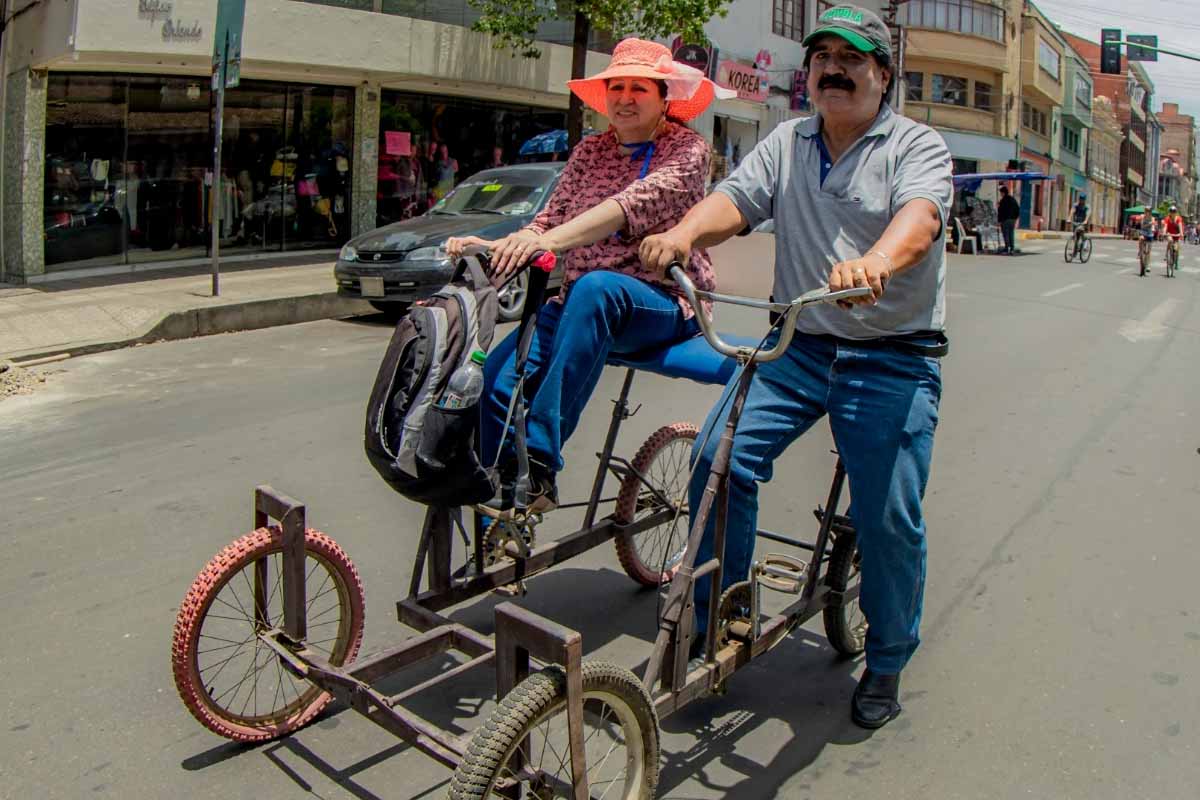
(871, 270)
(659, 250)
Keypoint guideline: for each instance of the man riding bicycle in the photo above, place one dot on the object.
(1174, 227)
(1081, 215)
(859, 196)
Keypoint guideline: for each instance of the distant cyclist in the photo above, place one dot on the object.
(1145, 241)
(1081, 215)
(1173, 227)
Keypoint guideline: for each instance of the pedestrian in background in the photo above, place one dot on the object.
(1008, 212)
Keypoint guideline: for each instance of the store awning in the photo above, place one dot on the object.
(978, 146)
(972, 180)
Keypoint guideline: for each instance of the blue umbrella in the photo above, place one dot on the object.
(550, 142)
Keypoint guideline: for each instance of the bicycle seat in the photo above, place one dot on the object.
(692, 359)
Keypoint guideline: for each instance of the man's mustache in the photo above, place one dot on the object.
(835, 82)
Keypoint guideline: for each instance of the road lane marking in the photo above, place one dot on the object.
(1151, 326)
(1060, 290)
(1125, 271)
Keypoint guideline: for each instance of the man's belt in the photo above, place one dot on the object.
(931, 344)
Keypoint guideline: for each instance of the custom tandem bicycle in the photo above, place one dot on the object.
(270, 630)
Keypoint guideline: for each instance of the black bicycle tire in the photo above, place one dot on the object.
(837, 578)
(1085, 251)
(539, 695)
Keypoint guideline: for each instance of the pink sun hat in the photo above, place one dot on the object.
(688, 91)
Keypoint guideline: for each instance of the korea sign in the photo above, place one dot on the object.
(749, 83)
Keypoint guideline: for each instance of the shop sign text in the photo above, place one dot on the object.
(750, 83)
(173, 30)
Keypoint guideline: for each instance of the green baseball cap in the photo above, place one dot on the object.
(860, 27)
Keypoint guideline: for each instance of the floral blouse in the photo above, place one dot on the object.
(599, 170)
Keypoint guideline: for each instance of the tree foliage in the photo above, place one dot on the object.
(514, 23)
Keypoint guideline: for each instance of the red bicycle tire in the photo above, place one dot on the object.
(627, 500)
(194, 609)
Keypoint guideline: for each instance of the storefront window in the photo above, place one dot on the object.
(86, 198)
(129, 168)
(428, 145)
(169, 153)
(320, 123)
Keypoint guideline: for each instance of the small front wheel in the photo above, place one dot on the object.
(1069, 252)
(524, 751)
(652, 557)
(230, 681)
(845, 623)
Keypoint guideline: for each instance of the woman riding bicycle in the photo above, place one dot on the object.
(639, 177)
(1173, 228)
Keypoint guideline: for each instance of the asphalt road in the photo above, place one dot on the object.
(1061, 630)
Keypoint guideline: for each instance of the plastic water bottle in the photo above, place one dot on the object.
(466, 384)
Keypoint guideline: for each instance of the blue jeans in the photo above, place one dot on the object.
(883, 409)
(605, 312)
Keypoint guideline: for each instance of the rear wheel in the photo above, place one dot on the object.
(524, 751)
(231, 682)
(845, 623)
(652, 557)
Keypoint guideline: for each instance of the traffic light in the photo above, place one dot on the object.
(1110, 51)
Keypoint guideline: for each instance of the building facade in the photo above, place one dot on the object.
(108, 125)
(1043, 79)
(1104, 166)
(1131, 93)
(1075, 117)
(1179, 139)
(960, 59)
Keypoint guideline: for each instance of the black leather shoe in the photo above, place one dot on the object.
(876, 700)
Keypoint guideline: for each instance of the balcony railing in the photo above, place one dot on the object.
(957, 16)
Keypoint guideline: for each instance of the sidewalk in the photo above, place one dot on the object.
(89, 315)
(1025, 234)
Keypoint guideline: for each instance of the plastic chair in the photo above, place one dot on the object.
(964, 239)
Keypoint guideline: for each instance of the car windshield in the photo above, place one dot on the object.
(515, 193)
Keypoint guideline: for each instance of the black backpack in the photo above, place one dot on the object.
(425, 452)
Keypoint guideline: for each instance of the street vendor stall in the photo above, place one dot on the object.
(978, 218)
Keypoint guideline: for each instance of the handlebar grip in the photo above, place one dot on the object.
(544, 260)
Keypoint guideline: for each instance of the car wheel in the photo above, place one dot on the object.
(392, 311)
(512, 296)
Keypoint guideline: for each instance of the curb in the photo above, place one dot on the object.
(194, 322)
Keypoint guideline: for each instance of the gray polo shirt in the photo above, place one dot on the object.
(817, 226)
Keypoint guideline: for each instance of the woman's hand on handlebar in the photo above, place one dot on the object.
(510, 254)
(658, 251)
(870, 270)
(456, 245)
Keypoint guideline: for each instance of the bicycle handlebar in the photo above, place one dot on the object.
(789, 311)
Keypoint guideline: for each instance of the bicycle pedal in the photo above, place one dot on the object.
(781, 573)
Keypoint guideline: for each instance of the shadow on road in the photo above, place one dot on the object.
(803, 684)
